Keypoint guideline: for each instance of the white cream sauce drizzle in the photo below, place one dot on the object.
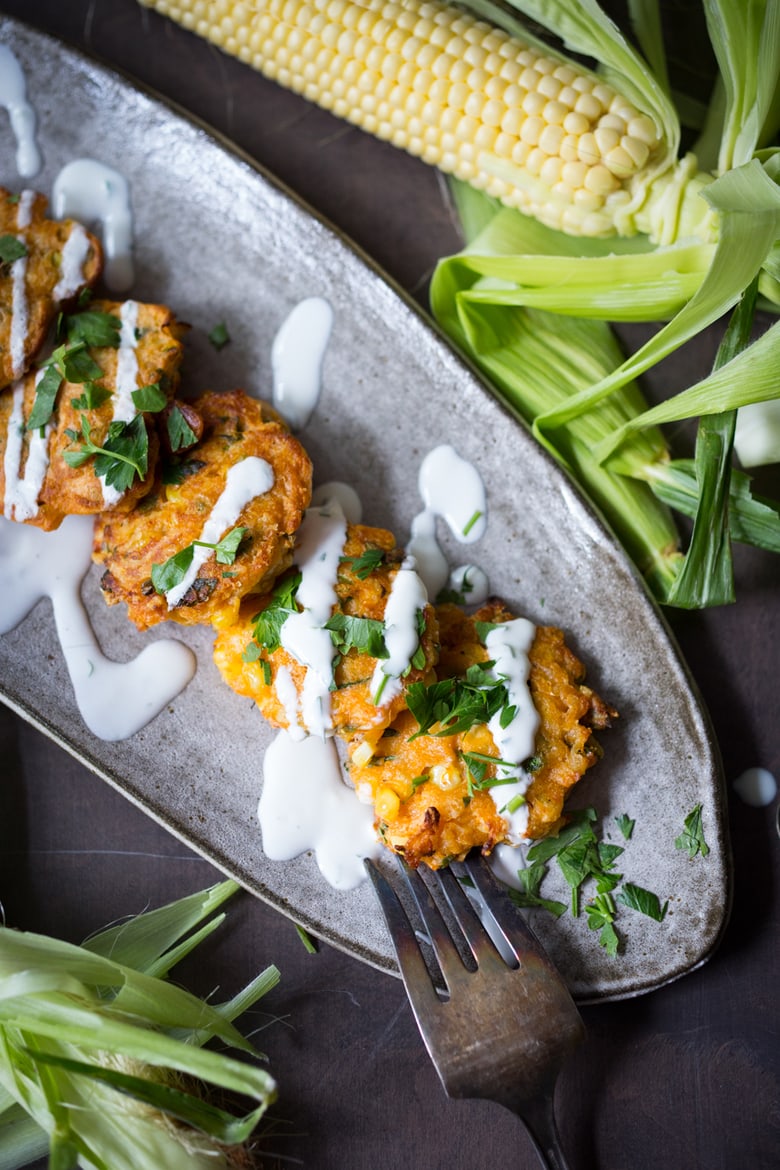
(451, 488)
(297, 355)
(126, 381)
(91, 191)
(471, 583)
(407, 598)
(344, 495)
(305, 805)
(21, 490)
(508, 646)
(319, 547)
(115, 699)
(72, 260)
(19, 307)
(13, 95)
(245, 480)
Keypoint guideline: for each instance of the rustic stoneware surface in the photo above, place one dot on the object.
(218, 240)
(686, 1076)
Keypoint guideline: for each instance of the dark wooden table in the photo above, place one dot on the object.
(687, 1077)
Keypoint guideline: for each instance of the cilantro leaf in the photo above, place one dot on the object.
(180, 433)
(93, 328)
(528, 897)
(365, 564)
(692, 836)
(11, 249)
(150, 398)
(219, 336)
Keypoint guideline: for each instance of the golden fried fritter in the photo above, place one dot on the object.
(432, 805)
(370, 562)
(150, 352)
(61, 260)
(237, 430)
(23, 459)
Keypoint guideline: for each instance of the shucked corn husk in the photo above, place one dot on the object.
(99, 1056)
(621, 227)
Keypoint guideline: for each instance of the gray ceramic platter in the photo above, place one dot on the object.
(218, 239)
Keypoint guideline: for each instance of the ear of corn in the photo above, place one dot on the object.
(523, 124)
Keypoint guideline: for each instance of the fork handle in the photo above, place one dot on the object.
(539, 1120)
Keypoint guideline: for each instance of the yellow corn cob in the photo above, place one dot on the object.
(535, 131)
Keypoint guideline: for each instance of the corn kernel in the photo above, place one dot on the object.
(387, 804)
(445, 776)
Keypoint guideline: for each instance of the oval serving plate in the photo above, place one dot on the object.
(219, 239)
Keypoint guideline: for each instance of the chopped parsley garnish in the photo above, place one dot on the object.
(364, 565)
(692, 837)
(645, 901)
(366, 635)
(528, 896)
(151, 398)
(180, 433)
(123, 455)
(11, 249)
(92, 328)
(173, 571)
(456, 596)
(625, 824)
(484, 628)
(456, 703)
(219, 336)
(268, 623)
(46, 391)
(581, 857)
(91, 397)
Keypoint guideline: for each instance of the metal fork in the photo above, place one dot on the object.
(502, 1022)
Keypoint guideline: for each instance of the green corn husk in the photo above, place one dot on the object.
(101, 1060)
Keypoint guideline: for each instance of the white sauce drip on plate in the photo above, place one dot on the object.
(756, 786)
(74, 254)
(115, 699)
(451, 488)
(297, 354)
(305, 805)
(13, 95)
(245, 480)
(91, 191)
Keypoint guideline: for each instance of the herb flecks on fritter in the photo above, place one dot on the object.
(171, 519)
(438, 795)
(104, 445)
(58, 260)
(254, 662)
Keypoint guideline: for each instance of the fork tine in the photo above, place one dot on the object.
(508, 918)
(407, 949)
(450, 962)
(482, 946)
